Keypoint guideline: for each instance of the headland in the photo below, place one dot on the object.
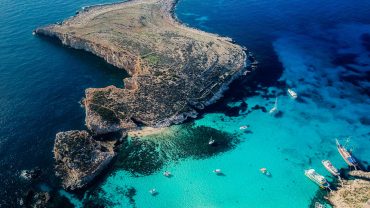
(175, 71)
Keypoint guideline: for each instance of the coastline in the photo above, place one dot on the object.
(112, 122)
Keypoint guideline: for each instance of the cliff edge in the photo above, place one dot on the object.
(174, 70)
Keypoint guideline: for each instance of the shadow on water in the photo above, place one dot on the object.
(144, 156)
(93, 62)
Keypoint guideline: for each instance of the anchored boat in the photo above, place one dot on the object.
(274, 109)
(351, 161)
(243, 127)
(327, 164)
(317, 178)
(292, 94)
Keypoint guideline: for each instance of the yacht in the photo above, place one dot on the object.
(292, 94)
(327, 164)
(317, 178)
(274, 109)
(351, 161)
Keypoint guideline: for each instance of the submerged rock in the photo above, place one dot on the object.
(353, 193)
(31, 174)
(80, 158)
(35, 199)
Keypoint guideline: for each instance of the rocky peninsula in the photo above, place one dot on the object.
(174, 72)
(354, 193)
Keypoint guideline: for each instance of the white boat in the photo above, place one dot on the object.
(243, 127)
(292, 94)
(327, 164)
(351, 161)
(167, 173)
(211, 141)
(217, 171)
(317, 178)
(153, 192)
(265, 171)
(274, 109)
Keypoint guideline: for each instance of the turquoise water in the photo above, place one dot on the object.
(320, 49)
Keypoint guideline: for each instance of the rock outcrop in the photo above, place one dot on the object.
(80, 158)
(353, 193)
(174, 69)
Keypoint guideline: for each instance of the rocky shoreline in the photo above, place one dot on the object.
(353, 193)
(174, 72)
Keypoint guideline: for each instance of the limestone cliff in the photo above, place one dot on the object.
(174, 70)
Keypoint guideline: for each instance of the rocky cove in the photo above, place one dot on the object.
(175, 71)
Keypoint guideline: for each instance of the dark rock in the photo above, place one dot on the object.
(35, 199)
(31, 174)
(80, 158)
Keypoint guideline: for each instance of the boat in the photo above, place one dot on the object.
(272, 110)
(167, 174)
(153, 192)
(351, 161)
(292, 94)
(317, 178)
(211, 141)
(217, 171)
(329, 167)
(246, 72)
(243, 127)
(265, 171)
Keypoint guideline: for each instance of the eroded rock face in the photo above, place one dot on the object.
(353, 193)
(174, 70)
(79, 158)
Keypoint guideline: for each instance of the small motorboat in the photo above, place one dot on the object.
(243, 127)
(167, 174)
(211, 141)
(153, 192)
(292, 94)
(265, 171)
(217, 171)
(329, 167)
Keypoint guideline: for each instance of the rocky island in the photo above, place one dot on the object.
(353, 193)
(174, 72)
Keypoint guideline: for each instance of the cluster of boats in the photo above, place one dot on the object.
(321, 180)
(291, 94)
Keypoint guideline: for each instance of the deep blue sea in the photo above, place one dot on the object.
(321, 49)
